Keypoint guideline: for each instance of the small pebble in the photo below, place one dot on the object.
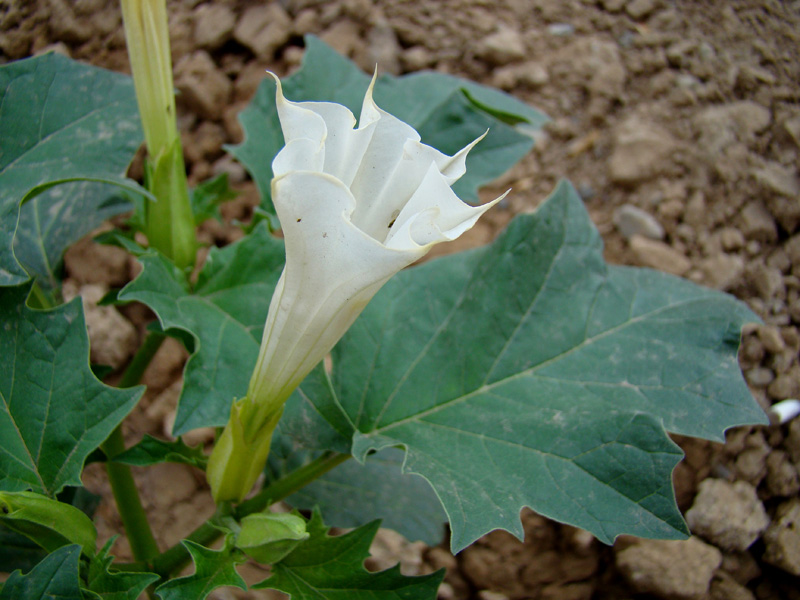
(786, 410)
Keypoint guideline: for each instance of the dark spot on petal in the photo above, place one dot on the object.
(298, 220)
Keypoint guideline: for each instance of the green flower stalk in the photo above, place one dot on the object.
(356, 206)
(169, 223)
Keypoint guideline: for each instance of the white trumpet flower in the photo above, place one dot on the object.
(356, 205)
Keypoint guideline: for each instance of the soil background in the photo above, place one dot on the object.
(679, 124)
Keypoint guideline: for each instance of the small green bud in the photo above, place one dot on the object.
(269, 537)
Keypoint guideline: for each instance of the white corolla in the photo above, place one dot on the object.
(356, 205)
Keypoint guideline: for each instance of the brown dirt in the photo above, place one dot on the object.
(689, 111)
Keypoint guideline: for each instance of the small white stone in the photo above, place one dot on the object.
(631, 220)
(786, 410)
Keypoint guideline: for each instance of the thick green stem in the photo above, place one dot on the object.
(174, 559)
(126, 495)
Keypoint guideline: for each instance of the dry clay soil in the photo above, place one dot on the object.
(679, 124)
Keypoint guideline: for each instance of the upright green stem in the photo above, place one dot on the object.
(174, 559)
(169, 224)
(126, 494)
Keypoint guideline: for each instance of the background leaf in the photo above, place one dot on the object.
(527, 373)
(435, 104)
(213, 569)
(207, 197)
(53, 411)
(55, 577)
(151, 451)
(354, 494)
(225, 314)
(18, 552)
(60, 121)
(332, 568)
(58, 217)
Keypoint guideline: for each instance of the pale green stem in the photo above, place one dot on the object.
(169, 224)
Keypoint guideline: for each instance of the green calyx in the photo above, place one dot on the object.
(239, 457)
(170, 226)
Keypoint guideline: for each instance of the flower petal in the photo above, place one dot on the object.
(332, 270)
(297, 122)
(381, 158)
(300, 154)
(434, 214)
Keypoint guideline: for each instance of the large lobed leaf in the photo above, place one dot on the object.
(448, 112)
(225, 313)
(53, 411)
(525, 373)
(528, 373)
(60, 121)
(332, 568)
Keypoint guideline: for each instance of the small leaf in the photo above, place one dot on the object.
(60, 121)
(332, 568)
(151, 451)
(116, 585)
(434, 104)
(53, 411)
(55, 577)
(528, 373)
(207, 197)
(213, 569)
(225, 315)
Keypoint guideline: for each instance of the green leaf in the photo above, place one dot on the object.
(60, 121)
(56, 577)
(225, 315)
(528, 373)
(59, 217)
(18, 551)
(151, 451)
(332, 568)
(48, 522)
(207, 197)
(116, 585)
(448, 112)
(353, 494)
(213, 569)
(53, 411)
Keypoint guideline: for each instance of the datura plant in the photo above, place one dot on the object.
(356, 205)
(525, 373)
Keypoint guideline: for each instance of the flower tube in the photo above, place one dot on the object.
(356, 205)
